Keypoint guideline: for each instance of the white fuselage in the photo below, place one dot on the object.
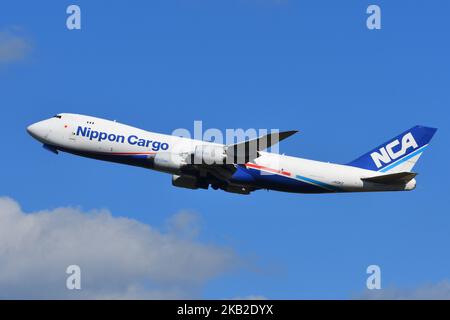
(112, 141)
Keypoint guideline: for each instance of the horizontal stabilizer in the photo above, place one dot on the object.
(246, 151)
(393, 178)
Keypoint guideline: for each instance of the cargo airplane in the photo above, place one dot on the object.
(238, 168)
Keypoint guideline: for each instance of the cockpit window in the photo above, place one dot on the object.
(57, 116)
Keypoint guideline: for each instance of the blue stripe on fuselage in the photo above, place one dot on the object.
(265, 180)
(319, 183)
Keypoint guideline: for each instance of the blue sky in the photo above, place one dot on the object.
(312, 66)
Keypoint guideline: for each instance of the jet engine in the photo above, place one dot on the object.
(169, 162)
(208, 154)
(189, 182)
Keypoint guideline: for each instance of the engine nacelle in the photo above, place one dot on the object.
(168, 162)
(237, 189)
(207, 154)
(189, 182)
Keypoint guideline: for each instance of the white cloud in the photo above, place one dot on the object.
(119, 257)
(185, 224)
(13, 46)
(431, 291)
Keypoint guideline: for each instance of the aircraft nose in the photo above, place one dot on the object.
(31, 129)
(38, 130)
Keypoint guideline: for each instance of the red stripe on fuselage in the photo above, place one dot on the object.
(255, 166)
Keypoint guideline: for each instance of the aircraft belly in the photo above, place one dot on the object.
(138, 160)
(272, 181)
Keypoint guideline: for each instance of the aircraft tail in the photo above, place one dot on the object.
(399, 154)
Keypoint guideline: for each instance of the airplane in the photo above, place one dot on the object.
(239, 168)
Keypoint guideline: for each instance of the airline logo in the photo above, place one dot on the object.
(132, 139)
(387, 154)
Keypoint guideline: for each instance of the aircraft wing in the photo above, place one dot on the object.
(246, 151)
(219, 174)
